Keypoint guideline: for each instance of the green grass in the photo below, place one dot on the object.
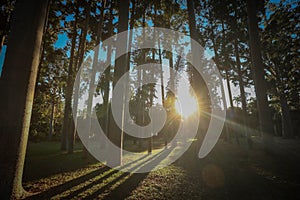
(229, 172)
(52, 173)
(45, 159)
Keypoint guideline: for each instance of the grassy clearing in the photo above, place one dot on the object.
(45, 159)
(55, 174)
(229, 172)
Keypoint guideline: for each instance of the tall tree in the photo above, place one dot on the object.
(94, 70)
(17, 86)
(115, 133)
(68, 121)
(196, 80)
(107, 73)
(280, 36)
(260, 84)
(50, 78)
(240, 73)
(80, 58)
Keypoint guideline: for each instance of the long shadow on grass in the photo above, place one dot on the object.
(104, 178)
(74, 182)
(49, 157)
(129, 181)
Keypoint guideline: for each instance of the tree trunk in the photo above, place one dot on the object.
(287, 127)
(226, 68)
(217, 61)
(107, 75)
(150, 139)
(115, 133)
(2, 39)
(81, 51)
(51, 120)
(67, 121)
(240, 77)
(108, 71)
(132, 21)
(229, 88)
(198, 83)
(94, 70)
(242, 93)
(260, 84)
(17, 89)
(139, 119)
(161, 75)
(160, 60)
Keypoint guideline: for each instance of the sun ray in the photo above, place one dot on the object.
(186, 105)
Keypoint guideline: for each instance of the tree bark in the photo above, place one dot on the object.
(152, 91)
(67, 121)
(217, 61)
(2, 39)
(226, 69)
(51, 120)
(160, 59)
(17, 88)
(242, 93)
(200, 88)
(94, 70)
(229, 88)
(81, 51)
(260, 84)
(161, 75)
(287, 127)
(108, 74)
(115, 133)
(132, 21)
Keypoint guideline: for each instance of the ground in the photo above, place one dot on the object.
(228, 172)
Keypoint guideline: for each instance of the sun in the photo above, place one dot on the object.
(186, 105)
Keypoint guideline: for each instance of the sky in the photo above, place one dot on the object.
(2, 55)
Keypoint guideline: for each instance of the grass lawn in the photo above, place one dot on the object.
(229, 172)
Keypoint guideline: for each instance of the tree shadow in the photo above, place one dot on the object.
(128, 181)
(132, 180)
(69, 184)
(48, 156)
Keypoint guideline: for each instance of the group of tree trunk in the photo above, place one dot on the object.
(31, 55)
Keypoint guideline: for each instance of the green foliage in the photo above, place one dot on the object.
(281, 36)
(6, 9)
(221, 26)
